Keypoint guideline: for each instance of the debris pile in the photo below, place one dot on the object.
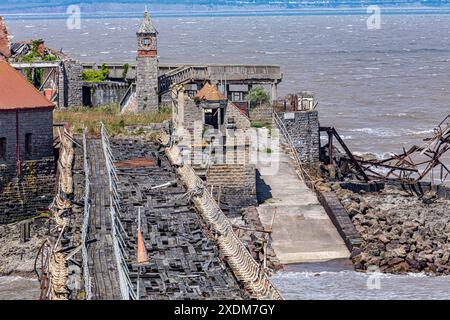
(257, 240)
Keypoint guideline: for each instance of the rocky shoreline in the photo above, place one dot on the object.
(401, 233)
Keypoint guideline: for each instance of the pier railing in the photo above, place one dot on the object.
(118, 232)
(85, 227)
(245, 268)
(127, 97)
(289, 144)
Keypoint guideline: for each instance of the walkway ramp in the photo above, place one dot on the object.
(302, 230)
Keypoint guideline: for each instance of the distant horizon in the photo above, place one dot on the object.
(187, 7)
(135, 11)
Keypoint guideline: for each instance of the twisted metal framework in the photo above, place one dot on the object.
(245, 268)
(84, 230)
(418, 162)
(117, 230)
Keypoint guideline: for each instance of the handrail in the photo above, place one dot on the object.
(126, 97)
(117, 230)
(240, 260)
(304, 175)
(84, 230)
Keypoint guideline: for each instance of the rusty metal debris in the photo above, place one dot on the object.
(410, 166)
(41, 267)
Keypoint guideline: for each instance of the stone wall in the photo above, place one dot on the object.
(240, 120)
(37, 122)
(261, 113)
(70, 88)
(340, 218)
(192, 113)
(104, 93)
(147, 84)
(25, 196)
(236, 184)
(303, 127)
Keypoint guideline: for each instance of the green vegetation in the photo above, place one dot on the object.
(114, 121)
(34, 55)
(268, 150)
(261, 124)
(35, 76)
(197, 100)
(96, 76)
(257, 96)
(126, 67)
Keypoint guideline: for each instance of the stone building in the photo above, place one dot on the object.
(206, 123)
(147, 66)
(209, 107)
(26, 147)
(213, 104)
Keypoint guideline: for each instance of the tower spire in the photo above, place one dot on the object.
(147, 25)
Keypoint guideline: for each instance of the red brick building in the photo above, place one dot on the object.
(26, 119)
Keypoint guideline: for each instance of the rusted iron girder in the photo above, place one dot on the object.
(406, 166)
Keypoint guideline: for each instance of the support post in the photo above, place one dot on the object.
(330, 147)
(274, 93)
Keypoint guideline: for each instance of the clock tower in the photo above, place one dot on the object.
(147, 66)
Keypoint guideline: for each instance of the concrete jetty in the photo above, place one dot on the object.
(302, 230)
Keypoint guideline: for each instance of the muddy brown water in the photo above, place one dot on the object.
(18, 288)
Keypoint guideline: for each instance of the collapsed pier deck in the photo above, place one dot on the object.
(184, 260)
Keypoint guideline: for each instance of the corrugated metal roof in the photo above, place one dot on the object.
(210, 93)
(16, 93)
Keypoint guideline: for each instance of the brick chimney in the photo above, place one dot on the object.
(4, 41)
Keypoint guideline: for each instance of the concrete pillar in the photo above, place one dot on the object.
(274, 93)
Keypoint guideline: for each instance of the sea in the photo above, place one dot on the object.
(382, 89)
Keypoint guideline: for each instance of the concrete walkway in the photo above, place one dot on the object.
(302, 231)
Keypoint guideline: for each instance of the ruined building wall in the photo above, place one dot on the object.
(185, 111)
(261, 113)
(25, 196)
(241, 121)
(303, 127)
(236, 184)
(104, 93)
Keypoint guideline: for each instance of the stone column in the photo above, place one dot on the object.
(274, 93)
(61, 87)
(72, 84)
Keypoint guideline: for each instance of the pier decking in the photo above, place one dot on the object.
(102, 267)
(184, 259)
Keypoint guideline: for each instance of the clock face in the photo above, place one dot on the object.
(147, 42)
